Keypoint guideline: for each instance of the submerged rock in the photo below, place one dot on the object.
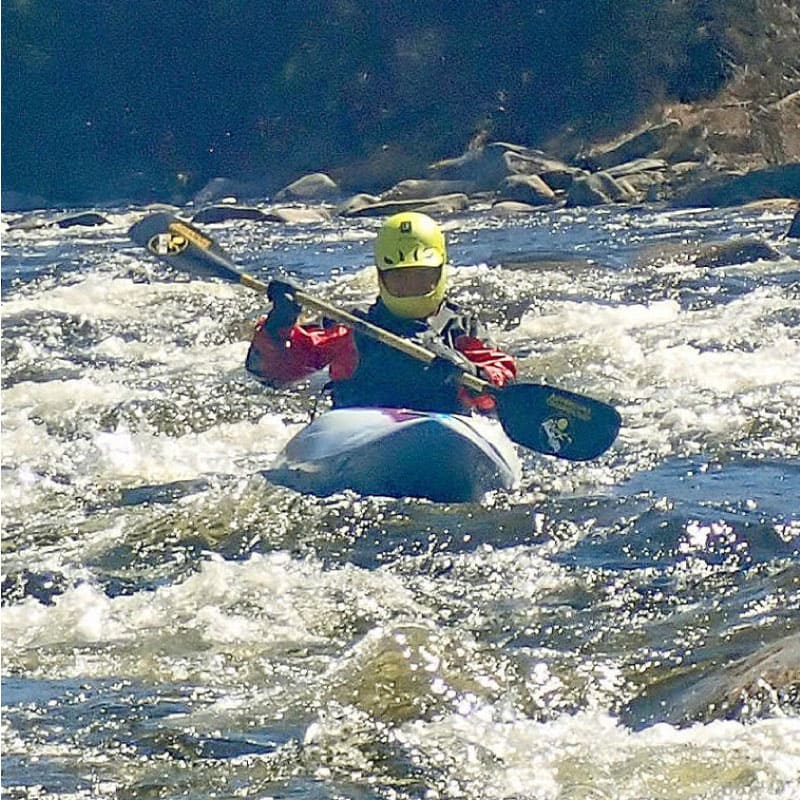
(753, 686)
(741, 251)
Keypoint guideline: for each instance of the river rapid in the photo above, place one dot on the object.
(173, 625)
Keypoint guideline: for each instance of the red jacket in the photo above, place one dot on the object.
(308, 348)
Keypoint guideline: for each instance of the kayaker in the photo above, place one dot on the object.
(411, 258)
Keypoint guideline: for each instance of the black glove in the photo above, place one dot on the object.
(285, 309)
(464, 325)
(447, 369)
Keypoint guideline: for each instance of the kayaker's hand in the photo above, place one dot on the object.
(449, 370)
(464, 325)
(285, 309)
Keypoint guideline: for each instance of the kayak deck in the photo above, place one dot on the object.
(399, 453)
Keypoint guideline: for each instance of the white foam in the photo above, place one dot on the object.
(97, 296)
(267, 602)
(152, 458)
(590, 755)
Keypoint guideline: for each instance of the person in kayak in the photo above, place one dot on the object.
(411, 257)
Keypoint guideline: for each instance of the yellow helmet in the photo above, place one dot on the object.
(410, 254)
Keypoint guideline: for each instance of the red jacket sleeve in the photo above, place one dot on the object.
(497, 367)
(303, 350)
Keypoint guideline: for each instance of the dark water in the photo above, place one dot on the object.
(175, 626)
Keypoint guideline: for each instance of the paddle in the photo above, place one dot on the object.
(545, 419)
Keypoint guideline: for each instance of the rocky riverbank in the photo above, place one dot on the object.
(695, 157)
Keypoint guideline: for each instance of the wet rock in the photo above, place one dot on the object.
(733, 189)
(485, 167)
(754, 686)
(522, 160)
(530, 189)
(637, 166)
(224, 212)
(741, 251)
(356, 203)
(639, 144)
(218, 189)
(89, 219)
(316, 186)
(768, 677)
(42, 586)
(794, 228)
(598, 188)
(507, 208)
(293, 215)
(283, 214)
(446, 204)
(561, 179)
(420, 189)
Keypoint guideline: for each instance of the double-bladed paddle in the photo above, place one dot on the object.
(545, 419)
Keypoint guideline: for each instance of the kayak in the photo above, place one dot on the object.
(399, 453)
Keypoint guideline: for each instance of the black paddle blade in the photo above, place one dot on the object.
(557, 422)
(181, 245)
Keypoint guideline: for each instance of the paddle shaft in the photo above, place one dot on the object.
(406, 346)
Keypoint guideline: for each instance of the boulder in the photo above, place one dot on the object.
(530, 189)
(220, 189)
(314, 187)
(733, 189)
(224, 212)
(88, 219)
(508, 208)
(356, 203)
(638, 165)
(639, 144)
(293, 215)
(416, 189)
(597, 189)
(446, 204)
(484, 167)
(561, 179)
(488, 166)
(527, 161)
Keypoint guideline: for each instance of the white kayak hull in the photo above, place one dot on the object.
(399, 453)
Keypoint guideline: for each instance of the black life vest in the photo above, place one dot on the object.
(385, 377)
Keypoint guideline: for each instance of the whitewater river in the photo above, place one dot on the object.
(173, 625)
